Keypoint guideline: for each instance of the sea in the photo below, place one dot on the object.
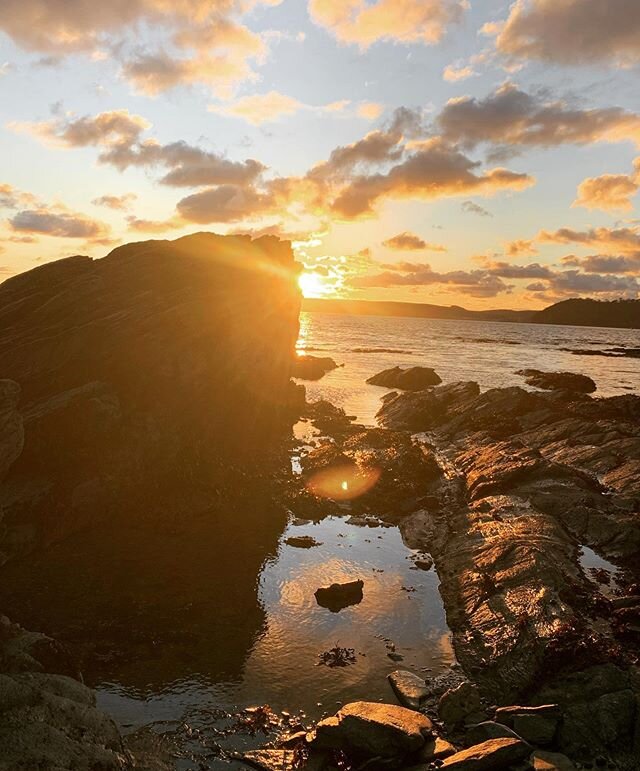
(489, 352)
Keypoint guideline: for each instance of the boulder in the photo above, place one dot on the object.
(339, 596)
(312, 367)
(412, 379)
(410, 689)
(492, 755)
(424, 410)
(558, 381)
(541, 760)
(488, 729)
(374, 730)
(457, 704)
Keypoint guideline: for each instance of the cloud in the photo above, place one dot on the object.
(456, 72)
(520, 247)
(153, 226)
(437, 170)
(226, 203)
(411, 242)
(571, 32)
(474, 208)
(60, 222)
(510, 118)
(370, 110)
(12, 198)
(572, 282)
(507, 270)
(116, 202)
(615, 241)
(476, 283)
(403, 21)
(266, 108)
(204, 41)
(609, 192)
(118, 136)
(598, 263)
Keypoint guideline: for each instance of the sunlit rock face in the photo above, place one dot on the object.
(155, 390)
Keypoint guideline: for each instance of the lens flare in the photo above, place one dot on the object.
(343, 483)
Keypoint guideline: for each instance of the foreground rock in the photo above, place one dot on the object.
(492, 755)
(410, 689)
(558, 381)
(374, 730)
(412, 379)
(312, 367)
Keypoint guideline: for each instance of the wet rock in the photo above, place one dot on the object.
(280, 760)
(508, 715)
(312, 367)
(558, 381)
(541, 760)
(412, 379)
(424, 410)
(302, 541)
(339, 596)
(410, 689)
(481, 732)
(374, 730)
(493, 754)
(458, 703)
(535, 729)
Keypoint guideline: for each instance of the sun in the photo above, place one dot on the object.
(312, 285)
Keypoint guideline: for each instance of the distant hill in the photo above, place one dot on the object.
(592, 313)
(419, 310)
(588, 313)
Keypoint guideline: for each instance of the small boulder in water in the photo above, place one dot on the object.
(302, 541)
(558, 381)
(410, 689)
(339, 596)
(312, 367)
(412, 379)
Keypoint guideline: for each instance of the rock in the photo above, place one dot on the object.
(410, 689)
(11, 426)
(494, 754)
(541, 760)
(456, 704)
(558, 381)
(302, 541)
(271, 760)
(436, 749)
(374, 730)
(535, 729)
(480, 732)
(424, 410)
(412, 379)
(339, 596)
(312, 367)
(507, 715)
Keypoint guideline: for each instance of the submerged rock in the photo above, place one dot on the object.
(374, 730)
(312, 367)
(412, 379)
(558, 381)
(339, 596)
(410, 689)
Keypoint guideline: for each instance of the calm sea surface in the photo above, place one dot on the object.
(485, 351)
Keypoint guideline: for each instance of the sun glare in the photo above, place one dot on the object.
(312, 285)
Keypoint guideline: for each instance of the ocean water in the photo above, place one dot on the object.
(485, 351)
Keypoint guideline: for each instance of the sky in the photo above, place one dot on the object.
(483, 153)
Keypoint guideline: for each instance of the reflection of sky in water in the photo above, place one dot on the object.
(282, 668)
(484, 351)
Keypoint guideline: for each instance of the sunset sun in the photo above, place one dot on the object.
(312, 285)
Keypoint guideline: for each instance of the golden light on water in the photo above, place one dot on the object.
(343, 483)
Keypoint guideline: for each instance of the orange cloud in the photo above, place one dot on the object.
(411, 242)
(405, 21)
(609, 192)
(570, 32)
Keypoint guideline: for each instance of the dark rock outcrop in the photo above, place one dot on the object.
(312, 367)
(412, 379)
(558, 381)
(339, 596)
